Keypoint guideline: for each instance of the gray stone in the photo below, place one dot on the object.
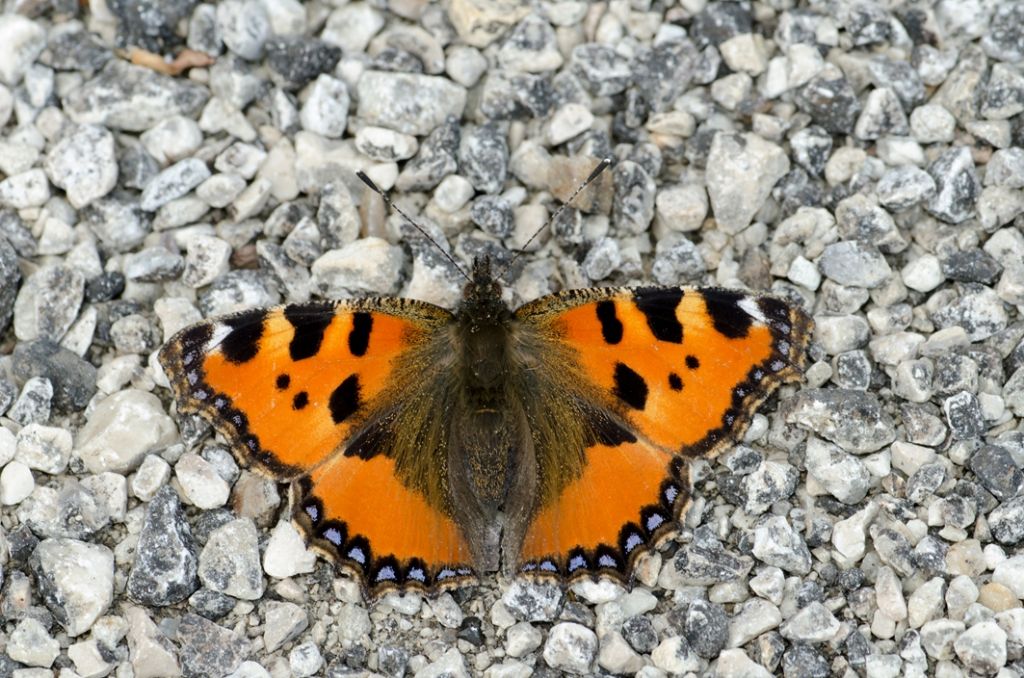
(741, 171)
(83, 163)
(164, 570)
(957, 186)
(408, 103)
(132, 98)
(75, 580)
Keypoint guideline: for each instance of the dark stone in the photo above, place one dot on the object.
(719, 21)
(1004, 37)
(706, 627)
(663, 72)
(150, 24)
(601, 69)
(297, 61)
(812, 147)
(471, 631)
(392, 661)
(483, 157)
(104, 287)
(830, 101)
(852, 370)
(515, 96)
(803, 661)
(77, 50)
(963, 414)
(211, 604)
(436, 159)
(135, 167)
(10, 281)
(73, 379)
(867, 24)
(21, 543)
(973, 265)
(640, 634)
(208, 649)
(166, 561)
(997, 471)
(493, 214)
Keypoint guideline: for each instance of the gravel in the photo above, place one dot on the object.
(866, 162)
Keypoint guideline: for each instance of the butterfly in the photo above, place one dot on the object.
(425, 446)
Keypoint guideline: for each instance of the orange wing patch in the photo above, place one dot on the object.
(290, 388)
(413, 544)
(683, 370)
(629, 496)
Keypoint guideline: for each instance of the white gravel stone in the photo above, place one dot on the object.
(31, 645)
(286, 554)
(174, 182)
(681, 207)
(923, 273)
(521, 639)
(16, 483)
(230, 561)
(28, 189)
(122, 429)
(736, 664)
(368, 265)
(841, 474)
(172, 139)
(385, 145)
(79, 581)
(21, 41)
(325, 111)
(408, 102)
(741, 171)
(754, 617)
(617, 656)
(813, 624)
(84, 164)
(567, 122)
(982, 648)
(200, 482)
(570, 647)
(206, 258)
(44, 448)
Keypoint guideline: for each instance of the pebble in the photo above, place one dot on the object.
(957, 186)
(173, 182)
(306, 660)
(286, 554)
(570, 647)
(208, 649)
(31, 645)
(854, 420)
(33, 404)
(16, 483)
(813, 624)
(83, 163)
(325, 111)
(369, 265)
(122, 429)
(164, 569)
(132, 98)
(73, 379)
(200, 483)
(844, 476)
(48, 303)
(982, 648)
(777, 543)
(75, 580)
(532, 601)
(230, 561)
(406, 102)
(855, 264)
(741, 171)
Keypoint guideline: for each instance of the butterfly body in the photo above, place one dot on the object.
(424, 446)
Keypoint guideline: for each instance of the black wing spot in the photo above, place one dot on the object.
(300, 400)
(630, 387)
(195, 337)
(675, 382)
(659, 304)
(344, 400)
(310, 322)
(728, 318)
(242, 343)
(359, 337)
(692, 362)
(611, 326)
(283, 380)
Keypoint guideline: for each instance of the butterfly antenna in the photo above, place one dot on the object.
(392, 206)
(601, 167)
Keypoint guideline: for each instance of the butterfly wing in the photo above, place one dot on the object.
(664, 374)
(309, 394)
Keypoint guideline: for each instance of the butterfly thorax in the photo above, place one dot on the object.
(483, 328)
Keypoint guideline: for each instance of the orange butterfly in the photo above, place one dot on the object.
(424, 446)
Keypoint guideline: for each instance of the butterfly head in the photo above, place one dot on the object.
(481, 297)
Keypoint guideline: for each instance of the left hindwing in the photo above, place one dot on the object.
(682, 371)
